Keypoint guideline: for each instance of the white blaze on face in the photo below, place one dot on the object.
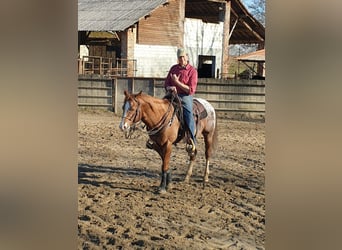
(123, 124)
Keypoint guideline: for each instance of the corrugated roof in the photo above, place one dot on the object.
(256, 56)
(115, 15)
(118, 15)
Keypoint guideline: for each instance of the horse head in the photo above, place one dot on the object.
(130, 111)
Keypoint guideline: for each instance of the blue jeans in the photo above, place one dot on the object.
(187, 102)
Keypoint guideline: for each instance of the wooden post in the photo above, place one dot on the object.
(181, 23)
(225, 40)
(101, 66)
(127, 45)
(80, 66)
(260, 69)
(114, 95)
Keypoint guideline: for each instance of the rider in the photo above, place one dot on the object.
(182, 79)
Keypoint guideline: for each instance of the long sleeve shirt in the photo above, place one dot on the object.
(187, 75)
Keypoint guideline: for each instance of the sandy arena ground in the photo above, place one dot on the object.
(119, 208)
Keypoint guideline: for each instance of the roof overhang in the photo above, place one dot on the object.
(113, 15)
(118, 15)
(245, 28)
(256, 56)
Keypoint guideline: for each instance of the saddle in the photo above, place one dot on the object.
(198, 111)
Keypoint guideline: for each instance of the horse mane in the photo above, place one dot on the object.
(151, 100)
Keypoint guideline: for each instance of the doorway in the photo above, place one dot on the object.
(206, 66)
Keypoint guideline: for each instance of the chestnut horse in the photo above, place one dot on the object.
(162, 124)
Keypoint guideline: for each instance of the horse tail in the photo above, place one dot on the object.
(215, 136)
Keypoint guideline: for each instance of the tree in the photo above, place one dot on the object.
(257, 9)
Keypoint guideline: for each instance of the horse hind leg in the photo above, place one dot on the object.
(206, 172)
(208, 141)
(191, 164)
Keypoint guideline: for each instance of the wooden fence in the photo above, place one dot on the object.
(106, 66)
(235, 99)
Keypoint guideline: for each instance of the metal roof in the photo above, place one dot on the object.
(118, 15)
(256, 56)
(113, 15)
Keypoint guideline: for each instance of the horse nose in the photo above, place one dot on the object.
(123, 126)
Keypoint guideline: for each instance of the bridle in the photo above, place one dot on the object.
(135, 115)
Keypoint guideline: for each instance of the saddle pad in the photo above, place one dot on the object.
(199, 110)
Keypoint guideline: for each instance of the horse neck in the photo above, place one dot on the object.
(153, 109)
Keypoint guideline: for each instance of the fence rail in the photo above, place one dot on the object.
(235, 99)
(106, 66)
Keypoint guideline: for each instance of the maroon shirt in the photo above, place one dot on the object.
(187, 75)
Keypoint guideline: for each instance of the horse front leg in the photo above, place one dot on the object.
(166, 173)
(162, 187)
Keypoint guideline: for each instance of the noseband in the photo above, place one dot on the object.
(136, 114)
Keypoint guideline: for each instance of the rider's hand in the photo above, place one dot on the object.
(172, 89)
(175, 78)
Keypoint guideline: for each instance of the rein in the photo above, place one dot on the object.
(161, 125)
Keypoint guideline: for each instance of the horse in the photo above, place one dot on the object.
(163, 126)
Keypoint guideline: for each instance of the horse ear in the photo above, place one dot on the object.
(139, 92)
(126, 93)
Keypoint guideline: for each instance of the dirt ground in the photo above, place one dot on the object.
(120, 209)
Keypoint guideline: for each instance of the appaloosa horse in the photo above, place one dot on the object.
(163, 127)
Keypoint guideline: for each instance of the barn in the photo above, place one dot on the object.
(139, 38)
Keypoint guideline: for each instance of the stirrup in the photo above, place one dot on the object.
(149, 144)
(191, 147)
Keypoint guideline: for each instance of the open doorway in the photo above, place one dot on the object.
(206, 66)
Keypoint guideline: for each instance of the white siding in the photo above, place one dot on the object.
(203, 39)
(83, 51)
(154, 60)
(199, 39)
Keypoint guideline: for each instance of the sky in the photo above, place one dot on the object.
(246, 3)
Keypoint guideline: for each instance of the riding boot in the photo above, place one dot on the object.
(191, 146)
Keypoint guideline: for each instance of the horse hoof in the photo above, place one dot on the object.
(162, 191)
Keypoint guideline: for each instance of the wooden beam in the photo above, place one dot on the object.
(202, 1)
(225, 40)
(246, 24)
(231, 32)
(251, 30)
(181, 19)
(217, 1)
